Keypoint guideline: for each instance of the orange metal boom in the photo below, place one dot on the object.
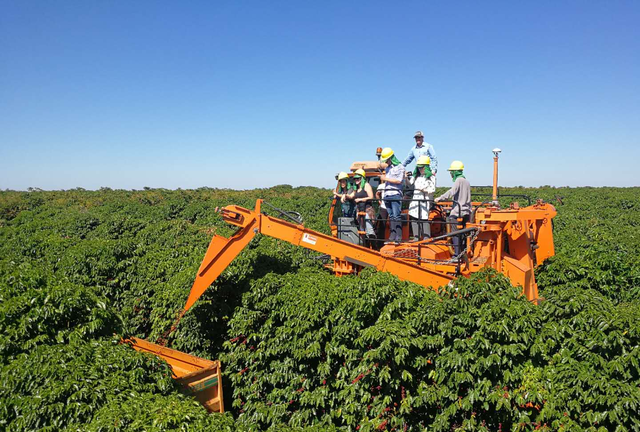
(223, 251)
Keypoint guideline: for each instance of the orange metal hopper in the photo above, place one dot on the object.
(198, 377)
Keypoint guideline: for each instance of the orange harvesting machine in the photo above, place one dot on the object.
(512, 240)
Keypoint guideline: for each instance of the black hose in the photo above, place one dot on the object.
(291, 215)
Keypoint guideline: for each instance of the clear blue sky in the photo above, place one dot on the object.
(241, 94)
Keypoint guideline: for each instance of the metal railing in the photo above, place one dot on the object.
(371, 232)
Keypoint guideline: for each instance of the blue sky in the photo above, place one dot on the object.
(245, 94)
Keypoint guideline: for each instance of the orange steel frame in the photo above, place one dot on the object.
(512, 241)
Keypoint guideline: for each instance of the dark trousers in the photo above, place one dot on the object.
(420, 228)
(383, 217)
(454, 225)
(395, 223)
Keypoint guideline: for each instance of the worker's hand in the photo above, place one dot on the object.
(383, 178)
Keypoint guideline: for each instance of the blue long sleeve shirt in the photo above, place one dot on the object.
(425, 150)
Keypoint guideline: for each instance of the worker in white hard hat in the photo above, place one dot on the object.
(342, 191)
(460, 195)
(392, 195)
(422, 148)
(424, 185)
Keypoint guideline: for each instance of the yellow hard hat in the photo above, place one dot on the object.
(386, 153)
(424, 160)
(343, 175)
(456, 166)
(361, 173)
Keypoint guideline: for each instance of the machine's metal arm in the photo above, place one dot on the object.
(222, 251)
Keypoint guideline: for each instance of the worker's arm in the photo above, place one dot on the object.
(409, 158)
(390, 180)
(342, 196)
(379, 191)
(434, 159)
(450, 193)
(394, 176)
(431, 185)
(410, 180)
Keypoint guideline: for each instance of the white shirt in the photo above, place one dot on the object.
(381, 190)
(423, 190)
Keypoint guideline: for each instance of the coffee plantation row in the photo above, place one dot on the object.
(302, 349)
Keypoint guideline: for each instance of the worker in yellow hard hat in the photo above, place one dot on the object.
(342, 192)
(362, 194)
(460, 195)
(392, 195)
(424, 185)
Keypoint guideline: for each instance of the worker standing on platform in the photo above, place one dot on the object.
(362, 194)
(383, 216)
(422, 149)
(460, 194)
(424, 185)
(392, 195)
(342, 191)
